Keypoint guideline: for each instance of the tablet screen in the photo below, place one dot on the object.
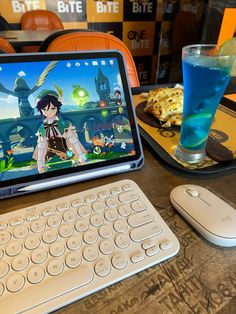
(64, 113)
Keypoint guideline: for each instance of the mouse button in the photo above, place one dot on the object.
(223, 227)
(218, 205)
(179, 195)
(227, 224)
(220, 221)
(192, 192)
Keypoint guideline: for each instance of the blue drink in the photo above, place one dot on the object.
(205, 79)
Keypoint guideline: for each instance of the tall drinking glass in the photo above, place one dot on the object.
(206, 75)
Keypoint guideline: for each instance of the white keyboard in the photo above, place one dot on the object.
(56, 252)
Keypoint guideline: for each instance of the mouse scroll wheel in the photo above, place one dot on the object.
(192, 192)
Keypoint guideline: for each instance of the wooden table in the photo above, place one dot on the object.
(20, 38)
(200, 279)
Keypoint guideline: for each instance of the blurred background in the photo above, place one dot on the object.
(154, 30)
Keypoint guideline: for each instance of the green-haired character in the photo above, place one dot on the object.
(56, 137)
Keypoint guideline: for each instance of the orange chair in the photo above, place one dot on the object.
(5, 46)
(72, 40)
(40, 20)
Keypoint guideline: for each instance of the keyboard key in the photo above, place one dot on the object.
(76, 203)
(32, 242)
(54, 221)
(146, 231)
(98, 206)
(147, 244)
(73, 260)
(20, 232)
(55, 267)
(14, 248)
(49, 236)
(137, 257)
(102, 268)
(66, 230)
(48, 211)
(127, 187)
(107, 247)
(115, 190)
(84, 210)
(103, 194)
(122, 241)
(90, 198)
(153, 251)
(96, 220)
(16, 221)
(166, 244)
(111, 202)
(119, 261)
(5, 237)
(90, 253)
(74, 243)
(57, 249)
(128, 197)
(111, 215)
(62, 207)
(82, 225)
(105, 231)
(138, 206)
(20, 262)
(36, 274)
(124, 210)
(120, 225)
(32, 216)
(140, 219)
(90, 237)
(39, 256)
(37, 226)
(69, 216)
(15, 282)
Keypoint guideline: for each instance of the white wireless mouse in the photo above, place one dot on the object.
(212, 217)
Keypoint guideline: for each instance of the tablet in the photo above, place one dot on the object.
(64, 118)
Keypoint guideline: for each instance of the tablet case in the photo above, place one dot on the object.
(64, 118)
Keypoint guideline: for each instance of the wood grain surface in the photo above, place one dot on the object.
(200, 279)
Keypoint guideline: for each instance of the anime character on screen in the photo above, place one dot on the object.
(22, 91)
(117, 94)
(57, 139)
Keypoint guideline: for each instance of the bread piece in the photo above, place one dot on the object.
(166, 104)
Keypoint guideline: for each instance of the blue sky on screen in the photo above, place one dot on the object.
(66, 74)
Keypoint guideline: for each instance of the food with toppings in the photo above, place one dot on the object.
(166, 104)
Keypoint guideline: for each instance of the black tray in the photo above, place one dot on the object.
(220, 167)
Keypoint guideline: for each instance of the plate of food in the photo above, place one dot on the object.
(162, 108)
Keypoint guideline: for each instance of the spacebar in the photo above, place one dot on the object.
(49, 289)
